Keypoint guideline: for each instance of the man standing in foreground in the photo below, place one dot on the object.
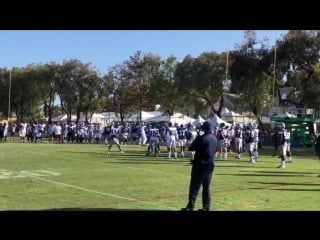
(202, 168)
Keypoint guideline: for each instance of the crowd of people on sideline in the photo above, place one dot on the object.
(176, 138)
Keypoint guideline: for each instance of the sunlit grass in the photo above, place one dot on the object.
(83, 176)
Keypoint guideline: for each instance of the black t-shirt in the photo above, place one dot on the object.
(205, 147)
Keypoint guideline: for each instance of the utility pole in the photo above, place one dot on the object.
(9, 100)
(140, 101)
(274, 65)
(226, 81)
(227, 64)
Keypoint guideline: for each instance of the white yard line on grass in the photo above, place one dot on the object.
(101, 193)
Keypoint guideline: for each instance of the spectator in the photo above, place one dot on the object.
(317, 146)
(205, 147)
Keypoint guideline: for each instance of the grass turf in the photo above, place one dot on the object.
(83, 177)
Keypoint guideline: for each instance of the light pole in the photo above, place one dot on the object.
(227, 64)
(141, 99)
(9, 95)
(274, 65)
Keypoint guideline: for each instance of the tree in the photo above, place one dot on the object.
(77, 85)
(202, 78)
(47, 78)
(122, 93)
(308, 94)
(164, 88)
(4, 89)
(130, 84)
(151, 73)
(27, 100)
(32, 92)
(251, 73)
(141, 70)
(91, 87)
(297, 58)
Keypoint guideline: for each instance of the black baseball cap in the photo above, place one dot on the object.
(206, 126)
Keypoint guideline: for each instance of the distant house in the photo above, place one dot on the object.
(287, 97)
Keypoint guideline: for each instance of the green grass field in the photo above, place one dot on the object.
(83, 177)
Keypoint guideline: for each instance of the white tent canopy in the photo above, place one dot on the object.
(145, 116)
(231, 116)
(216, 121)
(63, 117)
(96, 118)
(198, 121)
(225, 111)
(111, 117)
(177, 118)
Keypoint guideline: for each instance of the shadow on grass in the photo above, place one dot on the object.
(231, 160)
(242, 166)
(150, 161)
(241, 161)
(287, 184)
(145, 159)
(268, 186)
(116, 153)
(288, 189)
(280, 172)
(100, 209)
(102, 153)
(261, 175)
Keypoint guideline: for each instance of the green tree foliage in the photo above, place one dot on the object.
(201, 79)
(193, 85)
(311, 96)
(107, 93)
(4, 90)
(298, 58)
(307, 95)
(251, 75)
(132, 85)
(77, 85)
(121, 94)
(30, 92)
(151, 73)
(26, 93)
(164, 88)
(91, 101)
(129, 84)
(47, 78)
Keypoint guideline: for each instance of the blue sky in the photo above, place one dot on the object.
(106, 48)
